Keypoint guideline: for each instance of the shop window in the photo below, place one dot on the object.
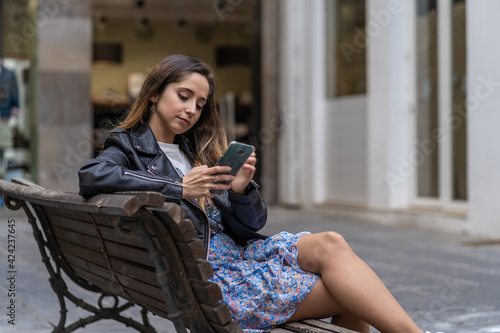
(459, 126)
(17, 45)
(427, 98)
(346, 47)
(441, 126)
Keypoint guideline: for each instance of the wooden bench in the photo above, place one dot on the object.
(135, 249)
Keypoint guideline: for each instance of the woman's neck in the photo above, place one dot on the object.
(160, 134)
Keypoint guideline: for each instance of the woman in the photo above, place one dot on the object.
(169, 142)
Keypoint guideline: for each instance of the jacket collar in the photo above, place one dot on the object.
(144, 141)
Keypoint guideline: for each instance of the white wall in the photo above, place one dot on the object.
(389, 102)
(302, 91)
(346, 150)
(483, 91)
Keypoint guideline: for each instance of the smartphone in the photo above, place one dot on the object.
(235, 156)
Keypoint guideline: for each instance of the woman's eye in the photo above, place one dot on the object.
(184, 98)
(199, 107)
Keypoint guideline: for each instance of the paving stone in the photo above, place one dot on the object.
(447, 283)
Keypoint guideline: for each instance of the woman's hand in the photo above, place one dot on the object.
(244, 176)
(200, 180)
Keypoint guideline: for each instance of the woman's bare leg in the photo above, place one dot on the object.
(321, 304)
(352, 283)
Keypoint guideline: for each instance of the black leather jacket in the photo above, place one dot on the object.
(133, 161)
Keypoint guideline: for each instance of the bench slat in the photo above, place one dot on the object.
(181, 229)
(97, 269)
(83, 224)
(78, 244)
(96, 280)
(193, 250)
(311, 326)
(324, 325)
(151, 300)
(78, 225)
(231, 327)
(121, 205)
(174, 211)
(143, 272)
(207, 292)
(155, 305)
(81, 252)
(114, 250)
(218, 313)
(199, 270)
(81, 239)
(152, 303)
(144, 284)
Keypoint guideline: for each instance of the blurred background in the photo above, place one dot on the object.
(381, 110)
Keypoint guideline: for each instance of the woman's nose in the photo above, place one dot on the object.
(191, 108)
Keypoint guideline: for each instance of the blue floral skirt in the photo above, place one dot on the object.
(261, 283)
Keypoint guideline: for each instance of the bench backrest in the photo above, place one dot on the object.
(132, 245)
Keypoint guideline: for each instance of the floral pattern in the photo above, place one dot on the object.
(261, 283)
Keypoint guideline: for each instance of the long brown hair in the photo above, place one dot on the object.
(206, 139)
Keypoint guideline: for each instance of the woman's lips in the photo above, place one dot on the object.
(185, 121)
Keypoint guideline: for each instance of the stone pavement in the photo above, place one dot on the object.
(447, 283)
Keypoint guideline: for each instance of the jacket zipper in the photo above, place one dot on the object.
(207, 252)
(155, 180)
(255, 183)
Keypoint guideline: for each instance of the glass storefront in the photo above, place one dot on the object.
(427, 98)
(459, 124)
(441, 100)
(17, 89)
(346, 47)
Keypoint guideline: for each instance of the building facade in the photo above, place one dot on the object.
(383, 110)
(390, 110)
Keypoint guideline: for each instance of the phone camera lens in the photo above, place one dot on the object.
(241, 151)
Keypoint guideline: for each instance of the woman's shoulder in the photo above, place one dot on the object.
(117, 137)
(139, 137)
(118, 133)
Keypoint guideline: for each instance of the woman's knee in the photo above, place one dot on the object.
(320, 249)
(332, 242)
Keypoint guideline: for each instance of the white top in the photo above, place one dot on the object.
(176, 157)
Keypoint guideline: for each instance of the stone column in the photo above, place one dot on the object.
(483, 135)
(301, 144)
(63, 91)
(389, 102)
(267, 138)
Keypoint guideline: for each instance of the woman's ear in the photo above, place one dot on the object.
(154, 99)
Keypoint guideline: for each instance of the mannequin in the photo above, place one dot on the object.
(9, 106)
(9, 95)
